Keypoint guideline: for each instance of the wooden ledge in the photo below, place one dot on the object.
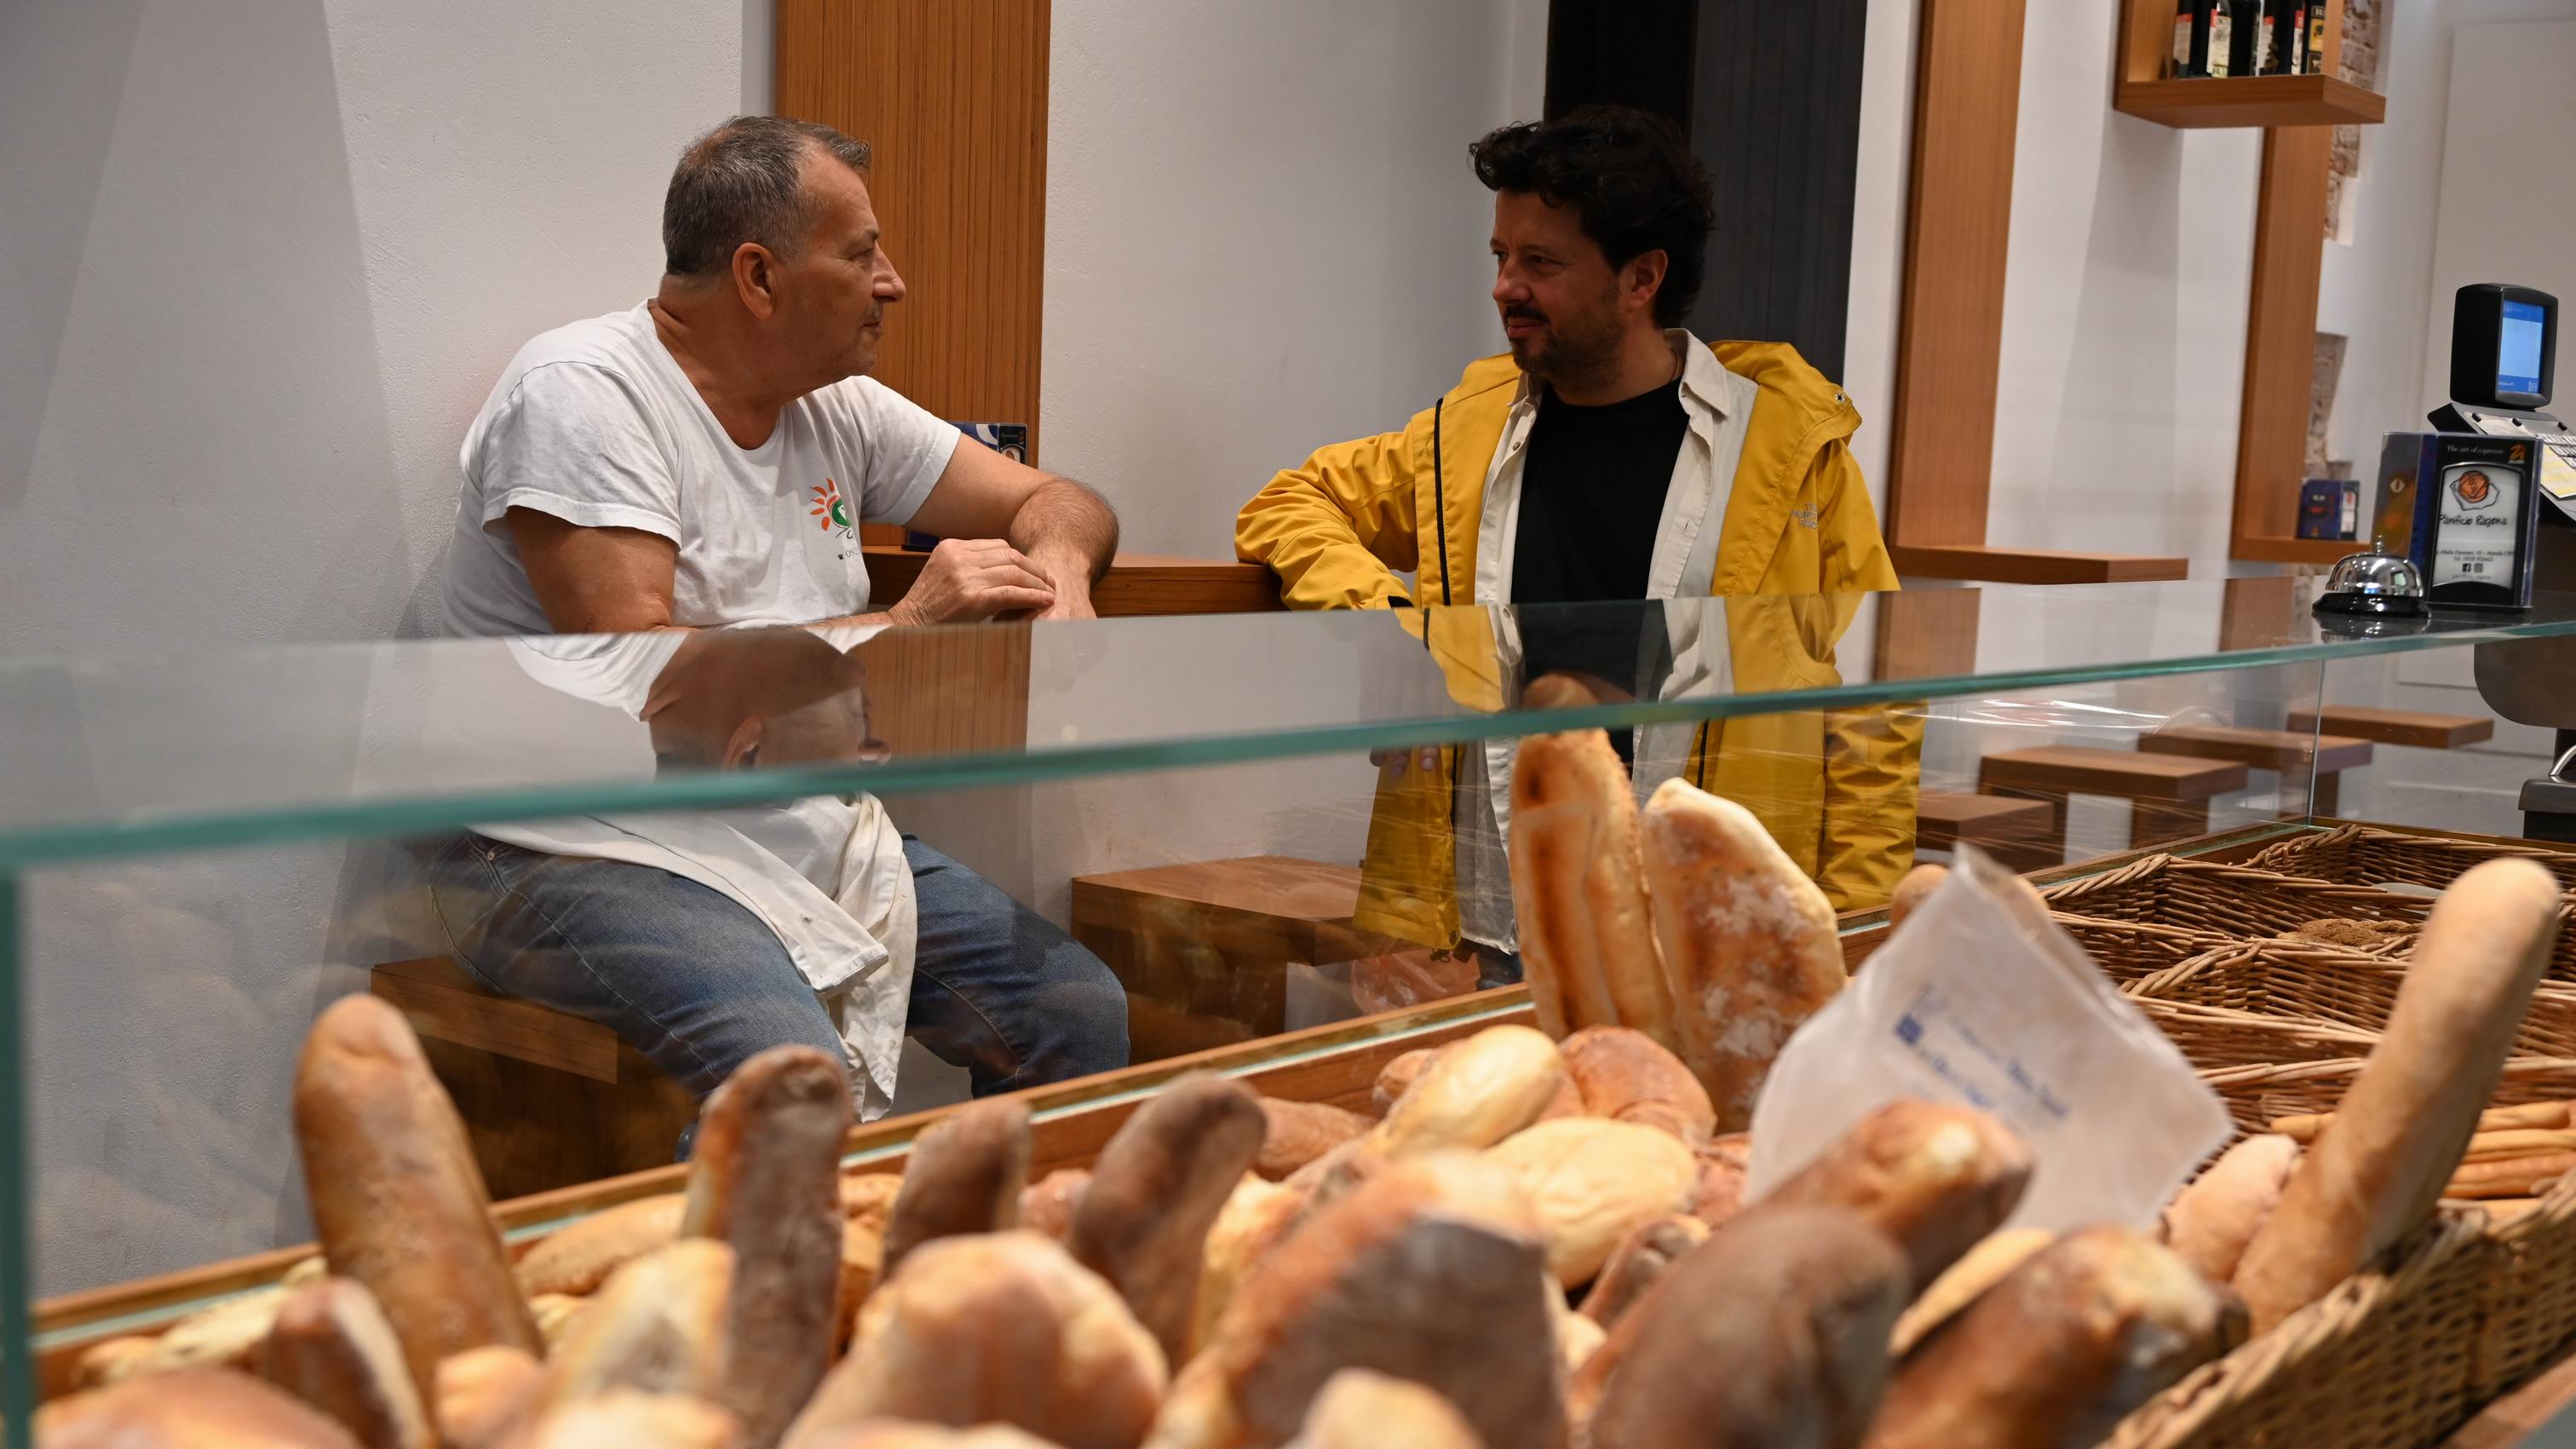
(2267, 100)
(2033, 565)
(2399, 726)
(1136, 585)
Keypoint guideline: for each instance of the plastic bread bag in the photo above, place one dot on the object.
(1983, 1000)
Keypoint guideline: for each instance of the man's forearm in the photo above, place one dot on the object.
(1066, 526)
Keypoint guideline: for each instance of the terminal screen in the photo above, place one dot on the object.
(2518, 348)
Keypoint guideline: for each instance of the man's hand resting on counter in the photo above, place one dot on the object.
(966, 580)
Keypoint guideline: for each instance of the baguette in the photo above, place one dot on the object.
(228, 1335)
(1046, 1205)
(627, 1419)
(194, 1408)
(2303, 1129)
(1638, 1262)
(2210, 1222)
(1300, 1132)
(577, 1257)
(765, 1181)
(995, 1328)
(484, 1395)
(658, 1327)
(1257, 1216)
(964, 1176)
(1795, 1304)
(397, 1201)
(1475, 1094)
(1935, 1178)
(1359, 1409)
(1591, 1182)
(1587, 936)
(892, 1434)
(1398, 1076)
(1748, 944)
(2524, 1170)
(2061, 1350)
(1156, 1189)
(1991, 1261)
(332, 1348)
(2376, 1171)
(2526, 1142)
(1625, 1075)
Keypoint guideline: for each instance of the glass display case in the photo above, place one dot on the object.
(1268, 845)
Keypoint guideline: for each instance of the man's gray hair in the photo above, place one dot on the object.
(740, 183)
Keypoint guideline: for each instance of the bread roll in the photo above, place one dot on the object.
(1300, 1132)
(1748, 943)
(1980, 1268)
(1638, 1262)
(577, 1257)
(397, 1200)
(1477, 1093)
(659, 1326)
(1156, 1188)
(1398, 1076)
(483, 1395)
(964, 1176)
(1587, 938)
(1047, 1205)
(227, 1335)
(862, 1264)
(1198, 1413)
(2061, 1350)
(2378, 1168)
(1935, 1178)
(1329, 1178)
(1719, 1194)
(1591, 1181)
(868, 1194)
(332, 1348)
(188, 1409)
(894, 1434)
(2213, 1218)
(1624, 1075)
(627, 1419)
(1256, 1217)
(1772, 1333)
(995, 1328)
(1433, 1271)
(1577, 1337)
(1913, 891)
(1363, 1410)
(554, 1313)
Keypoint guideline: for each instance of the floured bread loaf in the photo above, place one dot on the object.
(1638, 1262)
(1300, 1132)
(628, 1419)
(964, 1176)
(658, 1326)
(1587, 938)
(1747, 942)
(1046, 1205)
(483, 1395)
(1156, 1189)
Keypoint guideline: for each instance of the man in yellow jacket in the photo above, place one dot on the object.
(1610, 455)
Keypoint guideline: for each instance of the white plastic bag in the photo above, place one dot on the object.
(1983, 1000)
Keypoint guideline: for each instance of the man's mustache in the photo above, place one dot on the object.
(1524, 314)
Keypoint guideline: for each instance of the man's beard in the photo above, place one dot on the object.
(1564, 356)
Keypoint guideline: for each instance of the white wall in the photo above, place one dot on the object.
(1262, 236)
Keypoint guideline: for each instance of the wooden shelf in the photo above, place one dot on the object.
(2254, 548)
(2267, 100)
(2032, 565)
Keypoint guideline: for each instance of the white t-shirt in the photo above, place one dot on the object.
(596, 424)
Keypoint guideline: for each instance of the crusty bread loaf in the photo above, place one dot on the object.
(2061, 1350)
(995, 1328)
(227, 1335)
(1747, 942)
(964, 1176)
(1198, 1413)
(1773, 1332)
(1155, 1189)
(1363, 1410)
(1625, 1075)
(397, 1200)
(1432, 1271)
(194, 1408)
(1913, 891)
(1639, 1260)
(894, 1434)
(554, 1313)
(764, 1179)
(1980, 1268)
(862, 1265)
(483, 1395)
(1256, 1217)
(868, 1194)
(628, 1419)
(577, 1257)
(332, 1348)
(2210, 1221)
(1300, 1132)
(1587, 937)
(1398, 1076)
(2379, 1167)
(1723, 1165)
(1478, 1092)
(1591, 1181)
(1936, 1178)
(1046, 1205)
(658, 1325)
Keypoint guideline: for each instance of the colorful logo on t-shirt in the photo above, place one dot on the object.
(830, 509)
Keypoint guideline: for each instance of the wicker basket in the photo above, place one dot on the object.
(2385, 1361)
(2364, 856)
(2292, 988)
(2527, 1313)
(2226, 900)
(2129, 951)
(2258, 1096)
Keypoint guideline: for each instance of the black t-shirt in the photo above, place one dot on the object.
(1592, 498)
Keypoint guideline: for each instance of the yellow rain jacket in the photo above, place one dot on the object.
(1835, 788)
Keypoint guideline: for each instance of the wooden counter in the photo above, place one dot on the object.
(1136, 584)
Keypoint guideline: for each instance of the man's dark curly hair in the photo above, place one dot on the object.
(1631, 179)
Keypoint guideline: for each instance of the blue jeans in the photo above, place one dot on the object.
(699, 984)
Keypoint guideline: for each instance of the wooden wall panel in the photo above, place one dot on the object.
(2281, 338)
(952, 94)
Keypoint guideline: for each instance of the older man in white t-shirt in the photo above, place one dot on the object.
(704, 459)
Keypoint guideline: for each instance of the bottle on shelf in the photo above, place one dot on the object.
(2288, 34)
(2249, 37)
(2222, 40)
(2316, 56)
(2191, 37)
